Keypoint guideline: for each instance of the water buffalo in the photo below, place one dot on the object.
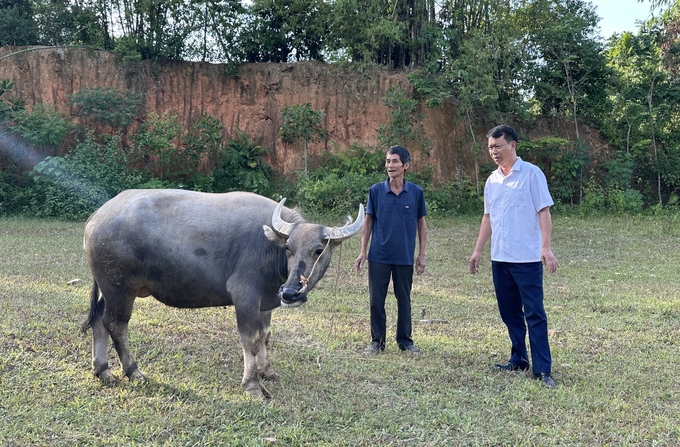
(191, 249)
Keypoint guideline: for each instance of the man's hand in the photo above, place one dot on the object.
(420, 265)
(549, 259)
(474, 262)
(360, 262)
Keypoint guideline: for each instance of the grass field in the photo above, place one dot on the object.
(614, 317)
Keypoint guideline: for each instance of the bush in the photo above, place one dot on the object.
(74, 186)
(156, 143)
(107, 107)
(343, 180)
(610, 200)
(42, 127)
(458, 197)
(15, 189)
(241, 168)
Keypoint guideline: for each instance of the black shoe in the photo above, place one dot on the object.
(509, 366)
(546, 379)
(410, 348)
(373, 348)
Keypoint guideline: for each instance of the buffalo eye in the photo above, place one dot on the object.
(288, 251)
(319, 251)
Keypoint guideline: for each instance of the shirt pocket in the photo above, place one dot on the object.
(408, 212)
(517, 197)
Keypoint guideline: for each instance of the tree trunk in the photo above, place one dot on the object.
(651, 125)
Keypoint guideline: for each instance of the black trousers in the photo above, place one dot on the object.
(519, 292)
(378, 282)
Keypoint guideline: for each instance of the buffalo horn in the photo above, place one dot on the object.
(280, 226)
(338, 234)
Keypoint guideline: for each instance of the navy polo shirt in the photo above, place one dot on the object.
(395, 222)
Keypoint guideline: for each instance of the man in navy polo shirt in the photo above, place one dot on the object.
(517, 219)
(395, 212)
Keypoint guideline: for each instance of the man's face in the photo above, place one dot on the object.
(501, 151)
(394, 166)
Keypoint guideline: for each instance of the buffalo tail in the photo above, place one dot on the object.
(96, 308)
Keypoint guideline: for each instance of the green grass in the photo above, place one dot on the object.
(613, 310)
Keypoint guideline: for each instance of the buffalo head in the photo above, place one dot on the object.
(308, 248)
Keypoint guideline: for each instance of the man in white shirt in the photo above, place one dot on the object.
(517, 219)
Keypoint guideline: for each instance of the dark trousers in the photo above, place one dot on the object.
(378, 283)
(519, 292)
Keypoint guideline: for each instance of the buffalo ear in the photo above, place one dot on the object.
(274, 236)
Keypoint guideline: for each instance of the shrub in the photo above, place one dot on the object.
(74, 186)
(15, 189)
(107, 107)
(202, 143)
(343, 180)
(241, 168)
(42, 126)
(156, 144)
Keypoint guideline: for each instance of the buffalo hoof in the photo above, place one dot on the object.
(270, 375)
(107, 378)
(257, 391)
(137, 375)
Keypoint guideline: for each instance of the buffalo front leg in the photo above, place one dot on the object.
(264, 368)
(248, 323)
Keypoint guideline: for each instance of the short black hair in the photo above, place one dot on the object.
(503, 131)
(401, 151)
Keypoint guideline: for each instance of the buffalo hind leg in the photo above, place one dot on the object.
(116, 317)
(100, 347)
(249, 329)
(264, 368)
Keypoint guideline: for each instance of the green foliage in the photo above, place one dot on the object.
(392, 34)
(43, 126)
(448, 198)
(302, 123)
(74, 186)
(611, 199)
(566, 67)
(241, 168)
(562, 164)
(342, 181)
(15, 188)
(107, 106)
(17, 26)
(405, 128)
(286, 30)
(8, 106)
(202, 144)
(156, 144)
(127, 49)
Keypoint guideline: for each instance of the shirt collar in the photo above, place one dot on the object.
(515, 167)
(388, 189)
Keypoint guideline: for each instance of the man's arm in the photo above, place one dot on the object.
(422, 241)
(484, 235)
(547, 256)
(366, 228)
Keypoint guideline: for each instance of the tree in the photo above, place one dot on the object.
(301, 122)
(566, 67)
(216, 30)
(396, 34)
(17, 26)
(405, 127)
(286, 30)
(647, 108)
(477, 72)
